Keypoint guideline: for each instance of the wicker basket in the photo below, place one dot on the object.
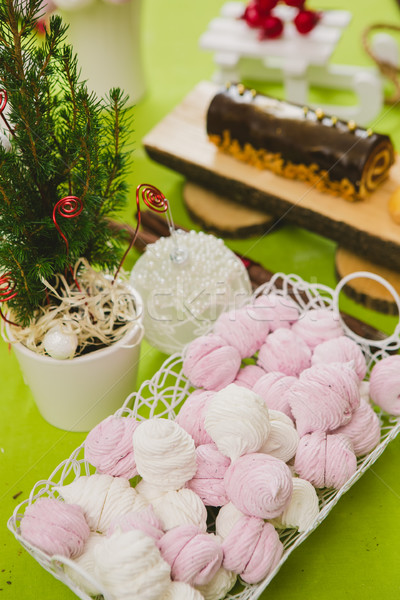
(162, 396)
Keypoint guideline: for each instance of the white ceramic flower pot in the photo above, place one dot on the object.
(106, 38)
(76, 394)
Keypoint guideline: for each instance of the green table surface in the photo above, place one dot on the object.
(355, 553)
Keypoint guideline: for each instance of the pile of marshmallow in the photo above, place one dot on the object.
(250, 446)
(304, 367)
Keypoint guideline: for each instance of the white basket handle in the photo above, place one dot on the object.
(392, 339)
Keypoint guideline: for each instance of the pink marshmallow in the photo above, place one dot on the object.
(363, 429)
(210, 363)
(279, 311)
(252, 549)
(248, 376)
(55, 527)
(109, 447)
(341, 462)
(384, 384)
(208, 482)
(242, 329)
(273, 387)
(192, 414)
(325, 460)
(284, 351)
(194, 556)
(259, 485)
(145, 520)
(341, 349)
(318, 325)
(324, 397)
(310, 458)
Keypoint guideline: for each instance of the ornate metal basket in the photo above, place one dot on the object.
(164, 393)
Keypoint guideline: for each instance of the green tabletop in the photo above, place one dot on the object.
(355, 553)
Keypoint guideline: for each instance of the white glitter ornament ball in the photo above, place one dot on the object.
(60, 343)
(186, 281)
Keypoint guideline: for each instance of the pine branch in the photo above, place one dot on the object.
(116, 158)
(115, 97)
(70, 74)
(13, 22)
(20, 269)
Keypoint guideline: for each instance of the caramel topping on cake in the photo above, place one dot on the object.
(275, 163)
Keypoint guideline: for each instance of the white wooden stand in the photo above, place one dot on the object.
(298, 61)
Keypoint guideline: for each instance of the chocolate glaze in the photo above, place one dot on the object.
(300, 135)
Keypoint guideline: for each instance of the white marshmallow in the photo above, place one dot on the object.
(86, 562)
(178, 590)
(165, 454)
(181, 508)
(303, 507)
(283, 439)
(219, 586)
(237, 420)
(130, 567)
(102, 498)
(227, 517)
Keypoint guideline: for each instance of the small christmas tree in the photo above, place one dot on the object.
(64, 142)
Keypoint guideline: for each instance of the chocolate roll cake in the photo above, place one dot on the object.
(299, 143)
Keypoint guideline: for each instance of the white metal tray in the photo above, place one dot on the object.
(164, 393)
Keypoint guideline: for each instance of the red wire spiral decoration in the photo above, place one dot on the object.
(7, 292)
(7, 287)
(3, 104)
(69, 208)
(3, 99)
(156, 201)
(152, 197)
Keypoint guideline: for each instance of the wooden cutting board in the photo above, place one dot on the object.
(180, 142)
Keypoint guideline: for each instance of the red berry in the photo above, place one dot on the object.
(252, 15)
(266, 5)
(41, 27)
(306, 20)
(271, 27)
(295, 3)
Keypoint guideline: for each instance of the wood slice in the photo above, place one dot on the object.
(367, 291)
(222, 217)
(180, 142)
